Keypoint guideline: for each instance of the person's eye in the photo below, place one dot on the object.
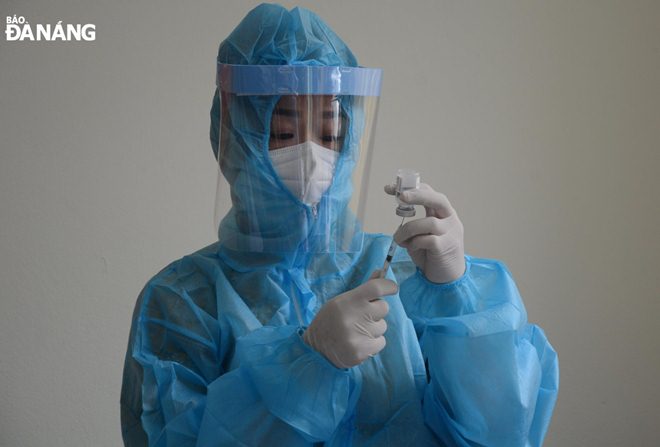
(281, 136)
(330, 138)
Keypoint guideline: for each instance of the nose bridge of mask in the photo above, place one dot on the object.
(306, 169)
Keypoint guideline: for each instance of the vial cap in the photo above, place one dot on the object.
(405, 211)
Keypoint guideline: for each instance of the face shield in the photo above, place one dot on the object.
(295, 144)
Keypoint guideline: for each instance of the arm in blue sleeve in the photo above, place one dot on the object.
(493, 377)
(178, 389)
(283, 393)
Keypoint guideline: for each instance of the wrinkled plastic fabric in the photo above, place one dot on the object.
(482, 356)
(216, 358)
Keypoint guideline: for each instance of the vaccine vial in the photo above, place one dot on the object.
(405, 179)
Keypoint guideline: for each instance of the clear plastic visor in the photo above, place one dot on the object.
(294, 168)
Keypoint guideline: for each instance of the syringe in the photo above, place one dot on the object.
(390, 252)
(405, 179)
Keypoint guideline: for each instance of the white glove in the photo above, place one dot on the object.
(349, 328)
(434, 242)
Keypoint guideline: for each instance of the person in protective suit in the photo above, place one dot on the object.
(284, 332)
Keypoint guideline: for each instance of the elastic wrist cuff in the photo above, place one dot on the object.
(447, 285)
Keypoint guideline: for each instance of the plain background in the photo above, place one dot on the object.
(539, 120)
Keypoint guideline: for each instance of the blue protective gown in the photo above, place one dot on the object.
(215, 355)
(215, 358)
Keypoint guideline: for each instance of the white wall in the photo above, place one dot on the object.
(539, 120)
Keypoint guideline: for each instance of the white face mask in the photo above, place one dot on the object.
(306, 169)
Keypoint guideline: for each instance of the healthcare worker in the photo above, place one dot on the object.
(283, 332)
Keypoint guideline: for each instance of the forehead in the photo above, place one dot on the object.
(298, 102)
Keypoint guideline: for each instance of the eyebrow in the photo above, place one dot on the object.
(293, 112)
(286, 112)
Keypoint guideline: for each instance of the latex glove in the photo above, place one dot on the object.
(349, 328)
(434, 242)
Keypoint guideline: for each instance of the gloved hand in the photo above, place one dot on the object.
(349, 328)
(434, 242)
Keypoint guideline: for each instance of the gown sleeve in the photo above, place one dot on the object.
(493, 378)
(189, 382)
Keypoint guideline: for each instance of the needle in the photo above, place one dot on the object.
(390, 252)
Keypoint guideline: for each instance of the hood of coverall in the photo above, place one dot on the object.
(266, 224)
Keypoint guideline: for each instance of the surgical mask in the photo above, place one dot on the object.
(306, 169)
